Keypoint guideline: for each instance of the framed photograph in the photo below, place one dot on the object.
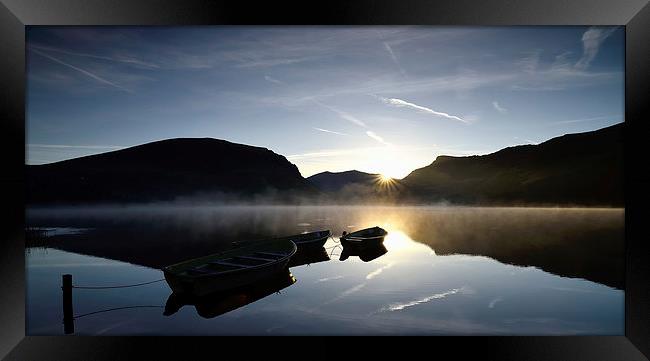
(364, 168)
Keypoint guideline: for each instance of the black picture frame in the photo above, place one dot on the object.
(16, 14)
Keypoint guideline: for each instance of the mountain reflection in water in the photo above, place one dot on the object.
(569, 242)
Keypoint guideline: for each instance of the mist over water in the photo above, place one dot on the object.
(438, 257)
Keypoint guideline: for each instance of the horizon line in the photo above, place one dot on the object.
(115, 148)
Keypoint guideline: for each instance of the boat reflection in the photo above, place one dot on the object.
(568, 242)
(307, 256)
(215, 304)
(365, 252)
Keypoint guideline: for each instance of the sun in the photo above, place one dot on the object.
(386, 183)
(384, 178)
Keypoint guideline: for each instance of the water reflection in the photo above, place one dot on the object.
(468, 271)
(584, 243)
(365, 253)
(210, 306)
(309, 256)
(218, 303)
(452, 294)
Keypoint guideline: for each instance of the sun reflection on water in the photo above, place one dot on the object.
(397, 240)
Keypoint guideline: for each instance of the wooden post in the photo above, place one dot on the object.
(68, 320)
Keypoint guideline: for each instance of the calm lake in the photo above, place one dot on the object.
(442, 271)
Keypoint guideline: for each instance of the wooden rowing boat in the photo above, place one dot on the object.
(312, 240)
(365, 237)
(309, 240)
(233, 268)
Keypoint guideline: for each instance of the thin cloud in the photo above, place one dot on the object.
(120, 59)
(402, 103)
(528, 141)
(374, 136)
(66, 146)
(85, 72)
(562, 61)
(494, 302)
(329, 131)
(591, 42)
(499, 108)
(137, 62)
(564, 73)
(351, 118)
(344, 115)
(353, 151)
(392, 55)
(325, 153)
(263, 63)
(530, 62)
(273, 80)
(580, 120)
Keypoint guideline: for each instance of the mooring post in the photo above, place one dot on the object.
(68, 320)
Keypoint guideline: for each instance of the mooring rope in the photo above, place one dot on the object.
(114, 309)
(162, 279)
(334, 248)
(120, 286)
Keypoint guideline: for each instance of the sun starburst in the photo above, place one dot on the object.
(386, 183)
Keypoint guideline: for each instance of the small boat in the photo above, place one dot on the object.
(364, 237)
(314, 240)
(218, 303)
(310, 240)
(233, 268)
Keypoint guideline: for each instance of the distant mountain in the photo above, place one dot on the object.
(165, 170)
(354, 187)
(574, 169)
(336, 181)
(581, 169)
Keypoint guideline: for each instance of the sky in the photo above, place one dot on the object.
(382, 100)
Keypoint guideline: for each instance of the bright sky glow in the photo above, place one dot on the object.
(384, 100)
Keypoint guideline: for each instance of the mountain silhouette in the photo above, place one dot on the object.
(165, 170)
(336, 181)
(581, 169)
(575, 169)
(355, 187)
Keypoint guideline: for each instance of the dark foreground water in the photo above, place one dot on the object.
(444, 270)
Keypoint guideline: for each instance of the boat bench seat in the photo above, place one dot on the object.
(256, 258)
(359, 238)
(198, 271)
(224, 263)
(272, 254)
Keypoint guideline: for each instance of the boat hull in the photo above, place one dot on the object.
(304, 241)
(366, 242)
(313, 245)
(218, 303)
(204, 285)
(233, 268)
(310, 241)
(369, 237)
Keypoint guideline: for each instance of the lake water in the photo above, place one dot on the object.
(443, 271)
